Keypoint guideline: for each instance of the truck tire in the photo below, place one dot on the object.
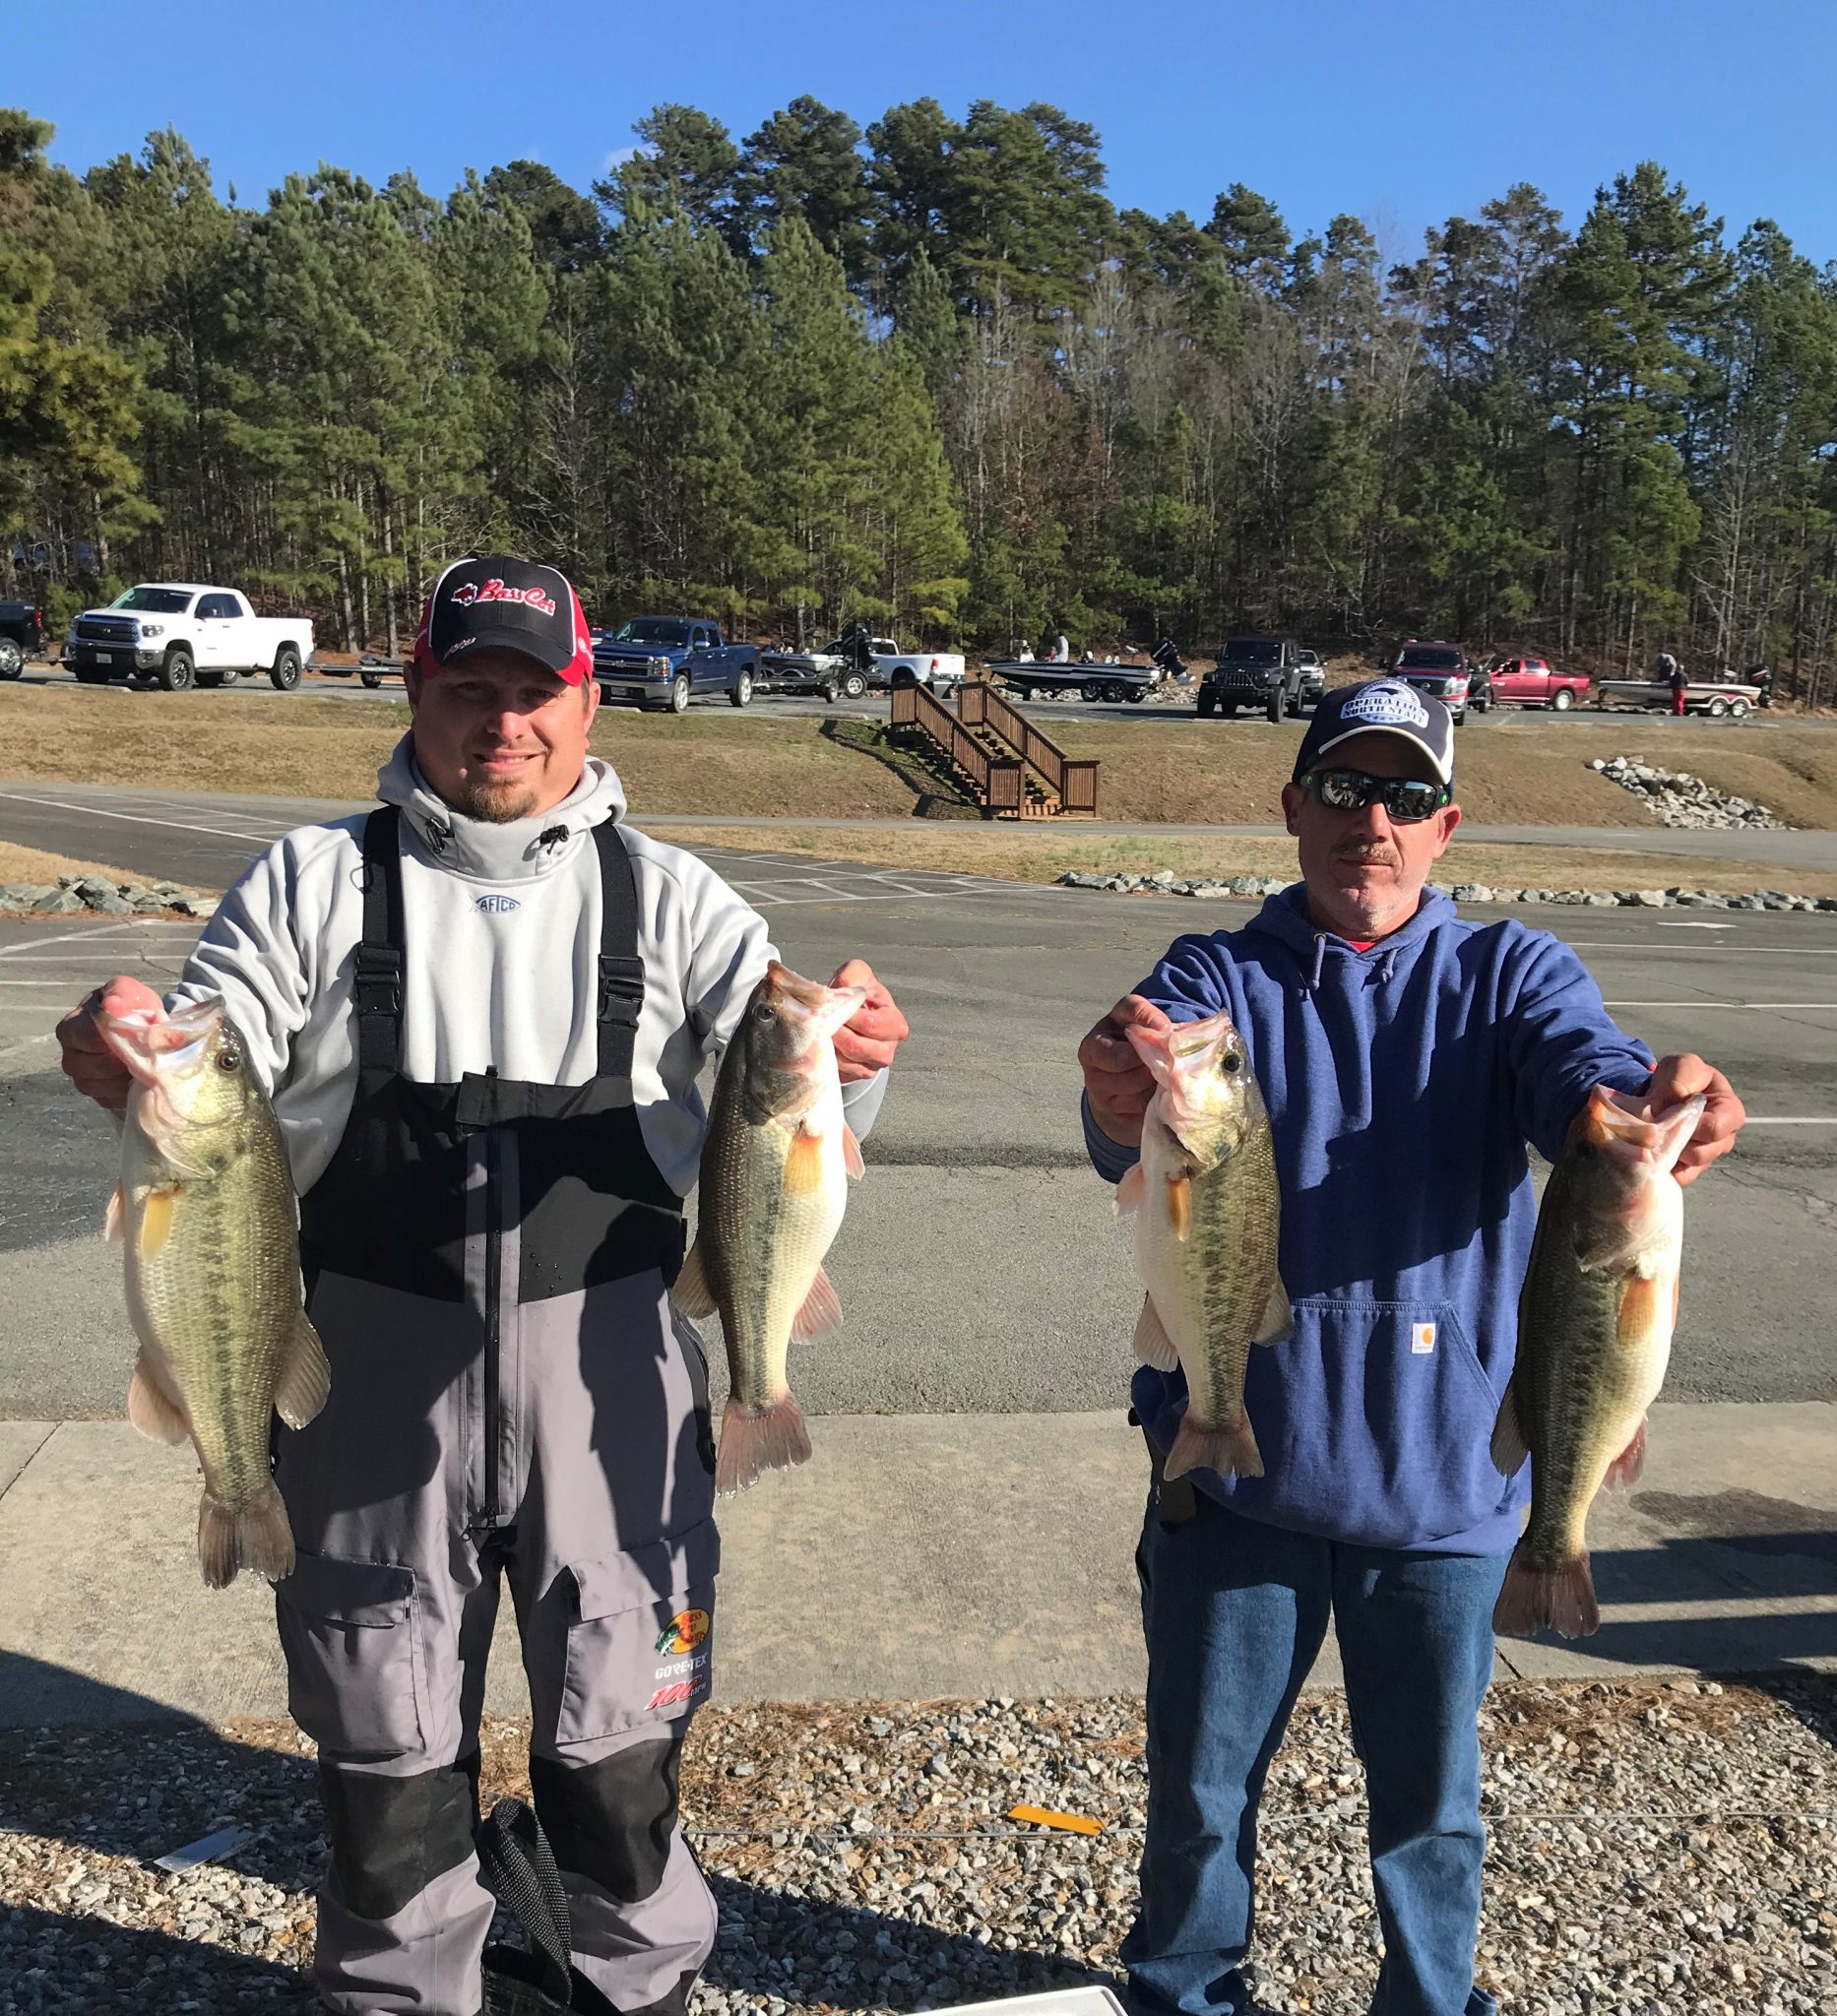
(12, 658)
(1203, 705)
(1272, 708)
(679, 694)
(741, 690)
(286, 671)
(1562, 700)
(831, 692)
(178, 672)
(854, 685)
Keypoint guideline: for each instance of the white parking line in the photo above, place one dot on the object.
(140, 819)
(1721, 1004)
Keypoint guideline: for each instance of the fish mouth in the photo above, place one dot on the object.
(809, 1005)
(152, 1044)
(1624, 1126)
(1188, 1045)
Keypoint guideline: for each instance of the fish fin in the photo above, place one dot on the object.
(1537, 1598)
(151, 1407)
(1231, 1452)
(305, 1381)
(1647, 1307)
(691, 1293)
(803, 1163)
(1623, 1471)
(1130, 1191)
(1180, 1204)
(1278, 1324)
(1509, 1447)
(114, 1226)
(254, 1536)
(851, 1159)
(755, 1439)
(1152, 1342)
(156, 1225)
(821, 1311)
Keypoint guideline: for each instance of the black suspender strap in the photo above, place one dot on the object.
(376, 983)
(621, 971)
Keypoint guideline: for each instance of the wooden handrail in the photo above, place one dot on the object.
(995, 779)
(1072, 783)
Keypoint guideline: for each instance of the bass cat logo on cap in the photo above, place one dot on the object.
(1388, 705)
(494, 590)
(497, 906)
(684, 1631)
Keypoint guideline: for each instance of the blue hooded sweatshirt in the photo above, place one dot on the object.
(1402, 1084)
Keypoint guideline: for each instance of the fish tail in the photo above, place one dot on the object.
(755, 1439)
(254, 1535)
(1230, 1451)
(1540, 1597)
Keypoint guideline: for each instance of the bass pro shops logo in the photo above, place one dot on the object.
(684, 1632)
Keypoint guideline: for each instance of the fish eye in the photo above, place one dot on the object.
(230, 1058)
(765, 1012)
(1230, 1061)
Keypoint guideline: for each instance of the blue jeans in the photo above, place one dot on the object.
(1235, 1613)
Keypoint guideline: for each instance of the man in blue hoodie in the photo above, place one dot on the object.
(1406, 1056)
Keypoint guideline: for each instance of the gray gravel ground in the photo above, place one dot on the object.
(1656, 1846)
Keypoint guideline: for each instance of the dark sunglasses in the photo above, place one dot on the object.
(1406, 799)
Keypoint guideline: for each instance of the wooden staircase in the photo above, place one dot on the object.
(1014, 771)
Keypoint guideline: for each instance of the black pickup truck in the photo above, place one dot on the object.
(21, 636)
(1272, 674)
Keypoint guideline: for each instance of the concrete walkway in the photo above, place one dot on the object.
(917, 1556)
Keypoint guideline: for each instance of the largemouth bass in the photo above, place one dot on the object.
(1594, 1336)
(775, 1174)
(1207, 1212)
(206, 1215)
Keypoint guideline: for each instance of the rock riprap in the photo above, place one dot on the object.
(70, 894)
(1680, 799)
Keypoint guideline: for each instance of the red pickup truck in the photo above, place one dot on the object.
(1532, 682)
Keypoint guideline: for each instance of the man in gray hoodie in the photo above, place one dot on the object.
(481, 1012)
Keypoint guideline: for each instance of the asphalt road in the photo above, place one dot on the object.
(978, 1268)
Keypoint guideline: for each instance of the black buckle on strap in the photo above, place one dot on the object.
(376, 981)
(621, 990)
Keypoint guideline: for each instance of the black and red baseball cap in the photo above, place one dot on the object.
(499, 604)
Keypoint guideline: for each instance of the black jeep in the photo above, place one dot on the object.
(1273, 674)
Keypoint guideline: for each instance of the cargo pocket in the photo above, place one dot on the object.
(355, 1681)
(640, 1641)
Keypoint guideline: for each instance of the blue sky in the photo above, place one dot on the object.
(1403, 113)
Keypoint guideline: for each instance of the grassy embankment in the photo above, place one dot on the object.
(1515, 770)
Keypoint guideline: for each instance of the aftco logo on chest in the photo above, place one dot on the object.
(497, 906)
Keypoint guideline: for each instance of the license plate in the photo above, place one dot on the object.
(104, 657)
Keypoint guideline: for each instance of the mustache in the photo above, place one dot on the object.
(1373, 855)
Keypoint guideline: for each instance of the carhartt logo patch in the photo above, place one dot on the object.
(497, 906)
(1422, 1338)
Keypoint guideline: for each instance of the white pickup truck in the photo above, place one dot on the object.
(176, 634)
(941, 670)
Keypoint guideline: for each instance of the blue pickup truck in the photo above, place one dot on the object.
(663, 662)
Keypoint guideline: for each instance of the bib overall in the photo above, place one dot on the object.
(487, 1263)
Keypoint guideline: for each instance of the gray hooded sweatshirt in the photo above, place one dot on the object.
(502, 925)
